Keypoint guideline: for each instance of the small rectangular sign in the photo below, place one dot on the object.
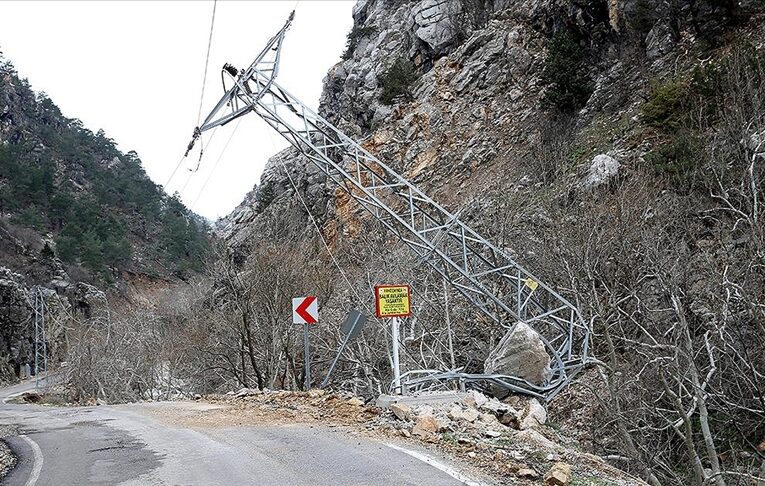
(393, 300)
(353, 324)
(305, 310)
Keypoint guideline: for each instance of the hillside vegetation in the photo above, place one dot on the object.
(70, 193)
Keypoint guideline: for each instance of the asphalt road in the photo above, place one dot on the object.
(111, 445)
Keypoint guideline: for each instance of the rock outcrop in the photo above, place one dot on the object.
(16, 340)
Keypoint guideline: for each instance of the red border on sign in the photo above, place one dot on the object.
(389, 286)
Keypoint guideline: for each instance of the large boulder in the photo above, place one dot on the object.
(520, 353)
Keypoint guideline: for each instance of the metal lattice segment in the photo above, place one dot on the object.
(41, 340)
(485, 274)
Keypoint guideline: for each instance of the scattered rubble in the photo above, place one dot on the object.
(245, 392)
(355, 401)
(558, 475)
(425, 425)
(401, 411)
(7, 457)
(506, 440)
(458, 413)
(527, 473)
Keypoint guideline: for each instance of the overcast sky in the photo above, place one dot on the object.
(135, 70)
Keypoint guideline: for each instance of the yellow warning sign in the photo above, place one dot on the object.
(531, 283)
(392, 301)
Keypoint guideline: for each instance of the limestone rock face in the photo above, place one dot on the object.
(520, 353)
(15, 312)
(437, 24)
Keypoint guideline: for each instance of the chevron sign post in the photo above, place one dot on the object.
(305, 311)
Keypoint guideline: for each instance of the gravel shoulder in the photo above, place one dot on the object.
(7, 457)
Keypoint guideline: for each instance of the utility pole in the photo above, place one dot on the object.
(41, 347)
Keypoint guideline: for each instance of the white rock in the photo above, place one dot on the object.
(520, 353)
(436, 22)
(534, 415)
(603, 168)
(245, 392)
(458, 414)
(401, 411)
(475, 399)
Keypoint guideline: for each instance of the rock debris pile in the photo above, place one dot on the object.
(508, 439)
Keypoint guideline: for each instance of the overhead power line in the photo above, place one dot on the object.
(201, 96)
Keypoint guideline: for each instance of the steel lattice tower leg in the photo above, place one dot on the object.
(41, 347)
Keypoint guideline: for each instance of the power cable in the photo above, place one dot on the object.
(215, 166)
(207, 61)
(202, 148)
(202, 96)
(177, 166)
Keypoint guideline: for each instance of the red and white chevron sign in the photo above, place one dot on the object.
(305, 310)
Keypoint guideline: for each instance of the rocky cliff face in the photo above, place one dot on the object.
(477, 118)
(613, 147)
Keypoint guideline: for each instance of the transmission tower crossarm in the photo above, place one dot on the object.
(485, 274)
(238, 99)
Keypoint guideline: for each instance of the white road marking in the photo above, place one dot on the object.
(438, 465)
(37, 461)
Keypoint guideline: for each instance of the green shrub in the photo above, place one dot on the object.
(397, 81)
(667, 106)
(681, 160)
(565, 74)
(354, 36)
(47, 252)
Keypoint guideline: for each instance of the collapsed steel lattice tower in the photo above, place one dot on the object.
(485, 274)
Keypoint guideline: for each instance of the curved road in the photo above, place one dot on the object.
(124, 445)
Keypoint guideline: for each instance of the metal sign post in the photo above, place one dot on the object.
(305, 311)
(351, 328)
(41, 346)
(396, 365)
(307, 354)
(394, 301)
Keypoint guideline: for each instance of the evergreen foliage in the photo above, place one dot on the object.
(397, 81)
(354, 36)
(59, 177)
(565, 74)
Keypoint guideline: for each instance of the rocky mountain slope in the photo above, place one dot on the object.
(616, 148)
(76, 214)
(72, 193)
